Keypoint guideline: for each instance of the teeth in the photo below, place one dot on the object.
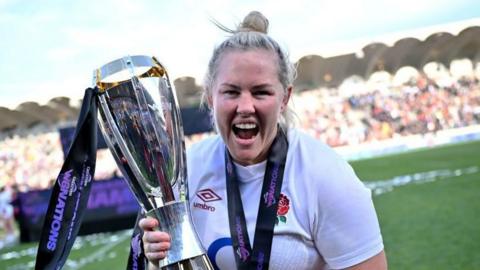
(246, 126)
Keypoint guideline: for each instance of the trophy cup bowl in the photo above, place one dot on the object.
(140, 120)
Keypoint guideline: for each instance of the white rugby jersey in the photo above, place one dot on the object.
(326, 219)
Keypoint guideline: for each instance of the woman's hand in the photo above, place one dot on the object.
(155, 243)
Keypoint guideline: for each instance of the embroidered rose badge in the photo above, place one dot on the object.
(282, 210)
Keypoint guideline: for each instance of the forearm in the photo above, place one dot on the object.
(377, 262)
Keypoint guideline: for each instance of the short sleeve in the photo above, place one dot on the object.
(347, 230)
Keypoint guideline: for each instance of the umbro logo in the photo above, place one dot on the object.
(206, 195)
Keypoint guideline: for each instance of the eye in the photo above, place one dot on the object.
(262, 92)
(230, 92)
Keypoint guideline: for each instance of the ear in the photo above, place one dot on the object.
(286, 97)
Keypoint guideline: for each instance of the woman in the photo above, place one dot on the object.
(262, 192)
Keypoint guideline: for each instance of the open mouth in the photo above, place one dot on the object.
(245, 131)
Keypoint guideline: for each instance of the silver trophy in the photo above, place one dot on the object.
(140, 120)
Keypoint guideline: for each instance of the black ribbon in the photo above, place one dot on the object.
(70, 196)
(259, 256)
(136, 257)
(71, 190)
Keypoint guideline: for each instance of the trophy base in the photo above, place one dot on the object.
(197, 263)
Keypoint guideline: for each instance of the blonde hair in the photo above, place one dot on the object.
(250, 34)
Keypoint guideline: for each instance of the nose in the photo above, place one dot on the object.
(246, 104)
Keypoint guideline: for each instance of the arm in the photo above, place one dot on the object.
(347, 230)
(377, 262)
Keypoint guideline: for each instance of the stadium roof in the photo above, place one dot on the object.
(29, 113)
(415, 49)
(442, 44)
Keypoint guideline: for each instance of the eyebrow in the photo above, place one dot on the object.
(256, 87)
(262, 86)
(230, 86)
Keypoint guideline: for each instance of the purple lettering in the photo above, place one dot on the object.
(51, 245)
(261, 259)
(100, 199)
(242, 251)
(204, 206)
(60, 205)
(135, 244)
(56, 224)
(52, 239)
(106, 198)
(269, 196)
(116, 197)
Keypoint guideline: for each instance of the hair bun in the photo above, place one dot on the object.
(254, 21)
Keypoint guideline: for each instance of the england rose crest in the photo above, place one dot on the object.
(282, 210)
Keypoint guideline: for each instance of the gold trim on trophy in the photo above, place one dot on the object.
(155, 70)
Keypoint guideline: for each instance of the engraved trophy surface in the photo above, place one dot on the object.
(140, 120)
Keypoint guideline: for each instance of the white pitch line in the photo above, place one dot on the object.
(384, 186)
(97, 254)
(97, 239)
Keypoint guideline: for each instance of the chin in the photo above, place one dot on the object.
(246, 159)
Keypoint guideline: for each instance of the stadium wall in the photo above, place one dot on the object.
(402, 144)
(111, 206)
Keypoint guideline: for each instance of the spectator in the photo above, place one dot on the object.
(6, 215)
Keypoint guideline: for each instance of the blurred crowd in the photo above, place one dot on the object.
(417, 106)
(32, 161)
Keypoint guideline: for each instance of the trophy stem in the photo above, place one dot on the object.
(186, 251)
(197, 263)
